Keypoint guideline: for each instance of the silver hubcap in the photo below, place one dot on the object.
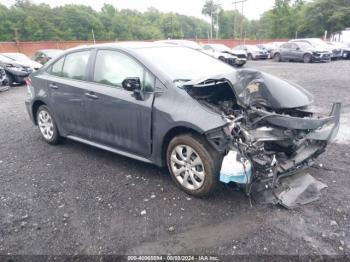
(187, 167)
(45, 124)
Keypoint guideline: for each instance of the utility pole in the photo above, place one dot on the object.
(211, 24)
(242, 13)
(217, 25)
(93, 35)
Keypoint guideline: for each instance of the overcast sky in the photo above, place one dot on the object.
(252, 8)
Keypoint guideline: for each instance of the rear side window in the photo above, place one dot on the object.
(56, 68)
(286, 46)
(75, 65)
(112, 67)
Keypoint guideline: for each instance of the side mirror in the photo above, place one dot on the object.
(132, 84)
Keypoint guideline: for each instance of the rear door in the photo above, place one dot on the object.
(67, 92)
(118, 119)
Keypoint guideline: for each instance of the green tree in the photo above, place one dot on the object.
(211, 9)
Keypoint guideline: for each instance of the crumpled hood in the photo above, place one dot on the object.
(253, 88)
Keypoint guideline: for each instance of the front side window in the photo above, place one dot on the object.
(75, 65)
(112, 68)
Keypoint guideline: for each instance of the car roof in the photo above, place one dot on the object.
(49, 50)
(11, 53)
(124, 45)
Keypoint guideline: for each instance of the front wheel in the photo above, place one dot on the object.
(307, 58)
(47, 125)
(193, 164)
(277, 57)
(10, 80)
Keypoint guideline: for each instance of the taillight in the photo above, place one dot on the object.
(28, 81)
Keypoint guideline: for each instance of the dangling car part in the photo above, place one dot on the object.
(16, 72)
(271, 136)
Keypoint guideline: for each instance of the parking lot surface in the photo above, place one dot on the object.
(76, 199)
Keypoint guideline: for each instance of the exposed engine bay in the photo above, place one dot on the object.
(272, 129)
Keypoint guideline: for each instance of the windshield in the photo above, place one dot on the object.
(303, 45)
(317, 42)
(253, 48)
(184, 63)
(53, 53)
(192, 45)
(18, 57)
(221, 48)
(5, 59)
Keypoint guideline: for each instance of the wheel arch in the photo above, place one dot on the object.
(35, 108)
(173, 132)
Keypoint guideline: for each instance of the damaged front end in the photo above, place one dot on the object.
(271, 136)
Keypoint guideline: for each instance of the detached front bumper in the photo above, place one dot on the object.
(321, 57)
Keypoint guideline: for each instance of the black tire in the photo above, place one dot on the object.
(222, 58)
(10, 80)
(307, 58)
(250, 57)
(277, 57)
(211, 160)
(56, 138)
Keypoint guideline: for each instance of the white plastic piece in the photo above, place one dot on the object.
(234, 170)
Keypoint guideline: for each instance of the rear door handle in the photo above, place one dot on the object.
(53, 86)
(91, 95)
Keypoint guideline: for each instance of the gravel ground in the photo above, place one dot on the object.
(75, 199)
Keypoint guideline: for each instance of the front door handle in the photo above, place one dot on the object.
(91, 95)
(53, 86)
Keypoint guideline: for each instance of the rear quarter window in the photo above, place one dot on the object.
(75, 65)
(56, 68)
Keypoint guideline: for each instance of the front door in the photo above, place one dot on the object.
(118, 118)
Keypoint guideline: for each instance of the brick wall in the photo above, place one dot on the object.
(29, 48)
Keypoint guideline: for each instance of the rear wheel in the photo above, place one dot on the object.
(250, 57)
(307, 58)
(47, 125)
(193, 164)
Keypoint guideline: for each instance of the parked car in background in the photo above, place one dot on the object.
(16, 72)
(344, 49)
(253, 52)
(301, 51)
(23, 59)
(320, 45)
(220, 48)
(176, 107)
(3, 80)
(267, 47)
(227, 58)
(43, 56)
